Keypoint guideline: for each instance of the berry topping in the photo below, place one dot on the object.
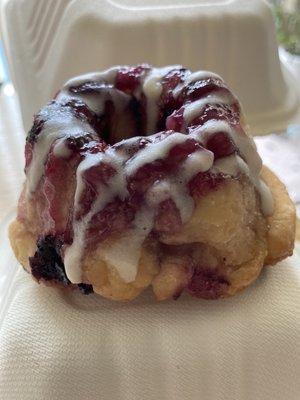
(221, 145)
(47, 264)
(207, 284)
(128, 78)
(204, 182)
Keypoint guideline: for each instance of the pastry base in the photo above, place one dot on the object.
(274, 241)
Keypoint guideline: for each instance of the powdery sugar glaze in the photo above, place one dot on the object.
(200, 134)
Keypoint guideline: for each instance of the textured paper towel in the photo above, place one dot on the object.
(69, 346)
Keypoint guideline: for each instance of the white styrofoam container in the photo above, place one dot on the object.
(47, 42)
(238, 349)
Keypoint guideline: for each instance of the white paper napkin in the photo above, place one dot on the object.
(70, 346)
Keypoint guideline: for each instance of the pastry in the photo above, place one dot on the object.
(140, 176)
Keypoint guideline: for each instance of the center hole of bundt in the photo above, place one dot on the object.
(122, 124)
(133, 120)
(117, 118)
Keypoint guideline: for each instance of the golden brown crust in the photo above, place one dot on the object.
(108, 283)
(225, 235)
(22, 242)
(297, 229)
(282, 223)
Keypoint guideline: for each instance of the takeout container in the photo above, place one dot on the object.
(55, 345)
(47, 42)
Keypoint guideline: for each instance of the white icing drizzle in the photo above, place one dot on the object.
(266, 198)
(154, 151)
(61, 150)
(88, 162)
(96, 101)
(244, 143)
(230, 166)
(173, 188)
(193, 109)
(124, 254)
(184, 202)
(199, 161)
(117, 188)
(108, 76)
(193, 77)
(159, 192)
(54, 129)
(200, 75)
(152, 89)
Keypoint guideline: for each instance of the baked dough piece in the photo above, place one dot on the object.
(189, 208)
